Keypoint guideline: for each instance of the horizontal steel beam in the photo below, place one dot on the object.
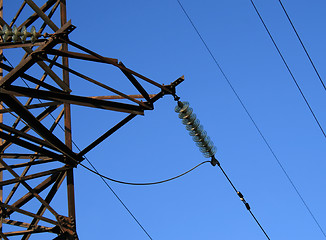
(73, 99)
(81, 56)
(33, 176)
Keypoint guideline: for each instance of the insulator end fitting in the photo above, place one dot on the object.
(215, 162)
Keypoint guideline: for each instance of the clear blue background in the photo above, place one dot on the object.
(156, 39)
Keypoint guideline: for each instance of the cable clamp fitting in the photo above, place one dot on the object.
(215, 162)
(243, 200)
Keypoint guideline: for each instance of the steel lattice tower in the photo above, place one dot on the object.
(35, 160)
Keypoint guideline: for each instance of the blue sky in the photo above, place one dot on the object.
(156, 39)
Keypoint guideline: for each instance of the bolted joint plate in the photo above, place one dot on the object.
(67, 228)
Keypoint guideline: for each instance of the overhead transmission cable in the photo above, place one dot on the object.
(114, 193)
(288, 68)
(283, 59)
(303, 46)
(95, 170)
(143, 183)
(252, 120)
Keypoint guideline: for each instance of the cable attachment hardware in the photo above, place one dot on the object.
(215, 162)
(243, 200)
(196, 130)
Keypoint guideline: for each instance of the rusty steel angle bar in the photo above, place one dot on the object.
(32, 79)
(29, 196)
(125, 120)
(21, 224)
(38, 127)
(56, 121)
(33, 176)
(117, 65)
(107, 134)
(42, 15)
(27, 136)
(15, 187)
(3, 235)
(2, 22)
(27, 213)
(29, 188)
(48, 199)
(74, 99)
(35, 16)
(97, 83)
(40, 117)
(54, 8)
(17, 233)
(81, 56)
(51, 73)
(119, 97)
(17, 14)
(32, 106)
(134, 81)
(22, 156)
(27, 44)
(17, 71)
(27, 164)
(30, 146)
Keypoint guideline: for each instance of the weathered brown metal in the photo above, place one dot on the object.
(81, 56)
(15, 209)
(120, 97)
(22, 224)
(32, 106)
(71, 99)
(97, 83)
(45, 158)
(1, 121)
(40, 117)
(32, 79)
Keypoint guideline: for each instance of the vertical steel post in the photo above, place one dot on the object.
(67, 120)
(1, 120)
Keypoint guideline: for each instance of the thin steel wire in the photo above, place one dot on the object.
(147, 183)
(119, 199)
(251, 213)
(279, 52)
(289, 70)
(303, 46)
(252, 120)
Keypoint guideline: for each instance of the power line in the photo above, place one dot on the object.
(147, 183)
(114, 193)
(216, 162)
(288, 68)
(303, 46)
(252, 120)
(180, 175)
(95, 170)
(283, 59)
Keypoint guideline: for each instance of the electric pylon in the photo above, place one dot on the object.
(36, 97)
